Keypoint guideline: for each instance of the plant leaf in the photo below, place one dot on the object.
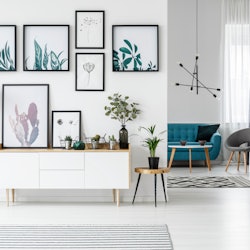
(125, 50)
(45, 58)
(128, 43)
(55, 64)
(38, 56)
(127, 61)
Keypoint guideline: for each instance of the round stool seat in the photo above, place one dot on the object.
(144, 170)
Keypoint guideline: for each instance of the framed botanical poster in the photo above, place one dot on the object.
(89, 72)
(25, 115)
(135, 48)
(89, 29)
(7, 47)
(46, 48)
(65, 123)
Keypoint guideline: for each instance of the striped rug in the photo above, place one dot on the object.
(85, 237)
(207, 182)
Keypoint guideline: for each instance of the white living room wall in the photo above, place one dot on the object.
(148, 89)
(183, 105)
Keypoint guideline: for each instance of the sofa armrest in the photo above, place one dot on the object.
(216, 141)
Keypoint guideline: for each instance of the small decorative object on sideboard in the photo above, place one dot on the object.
(122, 110)
(202, 142)
(152, 142)
(112, 142)
(95, 141)
(79, 145)
(68, 142)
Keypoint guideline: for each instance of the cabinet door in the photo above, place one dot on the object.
(107, 170)
(19, 170)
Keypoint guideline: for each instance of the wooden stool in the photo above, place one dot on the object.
(160, 171)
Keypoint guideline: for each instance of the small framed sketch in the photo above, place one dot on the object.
(25, 115)
(89, 71)
(135, 48)
(46, 48)
(65, 123)
(7, 47)
(89, 29)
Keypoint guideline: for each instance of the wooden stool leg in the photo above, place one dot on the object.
(118, 197)
(229, 160)
(163, 184)
(114, 198)
(139, 177)
(155, 189)
(238, 166)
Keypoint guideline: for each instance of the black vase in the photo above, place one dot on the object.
(153, 162)
(123, 137)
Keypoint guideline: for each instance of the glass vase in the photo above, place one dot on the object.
(123, 137)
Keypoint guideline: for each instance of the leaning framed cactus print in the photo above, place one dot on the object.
(135, 48)
(7, 48)
(25, 115)
(89, 72)
(65, 124)
(89, 29)
(46, 48)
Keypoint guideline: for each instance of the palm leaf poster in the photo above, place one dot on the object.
(135, 48)
(46, 48)
(7, 48)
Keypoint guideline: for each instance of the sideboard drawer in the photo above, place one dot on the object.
(67, 160)
(61, 179)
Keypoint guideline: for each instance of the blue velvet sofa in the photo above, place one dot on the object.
(192, 132)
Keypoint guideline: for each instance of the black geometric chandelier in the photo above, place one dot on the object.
(196, 83)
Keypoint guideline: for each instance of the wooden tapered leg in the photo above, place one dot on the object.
(171, 158)
(190, 160)
(245, 160)
(238, 166)
(229, 160)
(117, 197)
(13, 194)
(207, 158)
(114, 198)
(7, 197)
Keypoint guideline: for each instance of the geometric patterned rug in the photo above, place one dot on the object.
(85, 237)
(207, 182)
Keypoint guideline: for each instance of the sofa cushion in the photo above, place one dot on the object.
(205, 132)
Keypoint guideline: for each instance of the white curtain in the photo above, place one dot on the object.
(236, 66)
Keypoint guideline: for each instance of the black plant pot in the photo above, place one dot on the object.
(153, 162)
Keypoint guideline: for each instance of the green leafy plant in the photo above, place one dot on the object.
(112, 138)
(152, 141)
(6, 62)
(121, 108)
(68, 138)
(42, 59)
(129, 55)
(96, 138)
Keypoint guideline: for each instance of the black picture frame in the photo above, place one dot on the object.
(135, 48)
(89, 71)
(25, 120)
(7, 48)
(89, 29)
(46, 48)
(65, 123)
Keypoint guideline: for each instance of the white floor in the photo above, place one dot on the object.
(198, 219)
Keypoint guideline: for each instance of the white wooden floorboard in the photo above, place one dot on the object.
(198, 219)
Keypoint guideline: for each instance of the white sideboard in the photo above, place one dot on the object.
(65, 169)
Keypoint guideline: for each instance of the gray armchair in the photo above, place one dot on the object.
(239, 142)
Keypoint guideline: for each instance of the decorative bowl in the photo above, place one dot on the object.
(183, 143)
(202, 142)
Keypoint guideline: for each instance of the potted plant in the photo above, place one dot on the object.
(68, 141)
(152, 142)
(95, 141)
(123, 110)
(112, 142)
